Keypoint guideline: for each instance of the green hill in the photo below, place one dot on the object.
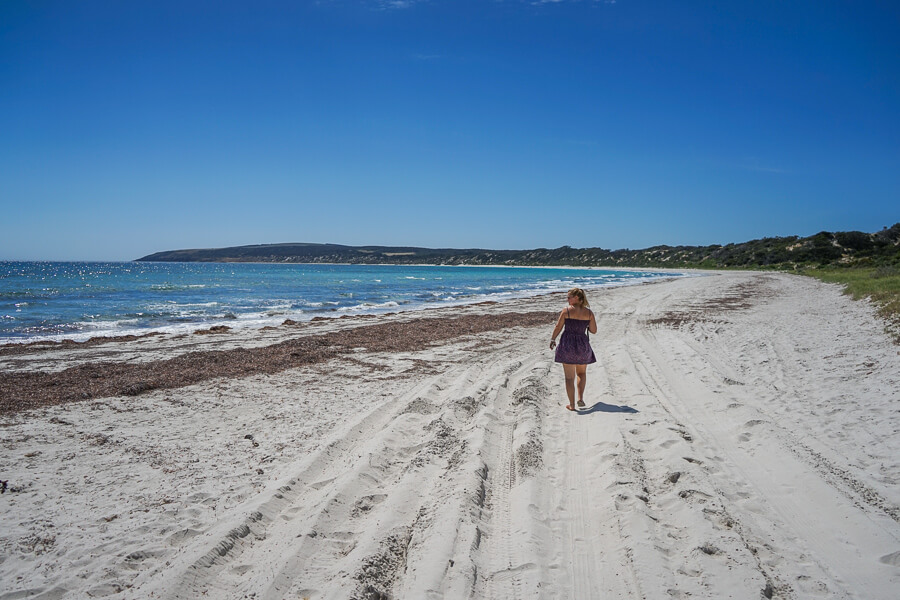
(846, 248)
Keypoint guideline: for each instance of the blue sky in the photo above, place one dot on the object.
(132, 127)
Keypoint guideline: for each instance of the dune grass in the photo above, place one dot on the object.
(880, 284)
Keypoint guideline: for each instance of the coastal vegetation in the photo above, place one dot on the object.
(881, 285)
(824, 249)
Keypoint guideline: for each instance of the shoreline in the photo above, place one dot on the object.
(260, 323)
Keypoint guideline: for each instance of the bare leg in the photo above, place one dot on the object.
(569, 370)
(581, 371)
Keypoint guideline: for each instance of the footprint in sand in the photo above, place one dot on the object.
(624, 501)
(367, 503)
(180, 537)
(141, 555)
(368, 479)
(342, 535)
(720, 519)
(512, 572)
(105, 589)
(343, 541)
(892, 559)
(318, 485)
(709, 549)
(694, 496)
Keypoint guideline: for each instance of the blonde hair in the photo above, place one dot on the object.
(579, 293)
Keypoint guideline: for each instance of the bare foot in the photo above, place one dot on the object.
(581, 404)
(569, 407)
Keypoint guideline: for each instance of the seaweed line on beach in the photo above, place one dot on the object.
(29, 390)
(739, 297)
(14, 349)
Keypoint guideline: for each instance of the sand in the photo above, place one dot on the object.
(741, 441)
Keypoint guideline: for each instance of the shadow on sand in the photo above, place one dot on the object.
(607, 408)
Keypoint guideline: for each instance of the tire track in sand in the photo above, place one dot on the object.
(512, 452)
(775, 502)
(246, 554)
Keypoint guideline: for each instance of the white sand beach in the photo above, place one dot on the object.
(742, 440)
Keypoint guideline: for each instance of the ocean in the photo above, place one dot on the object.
(80, 300)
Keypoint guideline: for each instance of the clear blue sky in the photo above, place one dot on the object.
(132, 127)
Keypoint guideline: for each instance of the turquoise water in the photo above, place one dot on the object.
(70, 300)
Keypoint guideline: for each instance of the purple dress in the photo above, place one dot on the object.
(574, 345)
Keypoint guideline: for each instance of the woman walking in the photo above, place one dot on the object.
(574, 350)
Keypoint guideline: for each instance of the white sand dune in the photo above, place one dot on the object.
(741, 441)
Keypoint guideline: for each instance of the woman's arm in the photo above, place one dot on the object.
(560, 323)
(592, 326)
